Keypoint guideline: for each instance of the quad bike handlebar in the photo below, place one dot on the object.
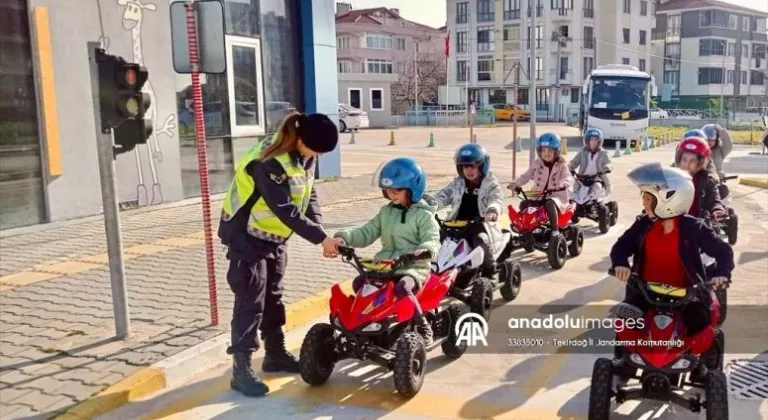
(724, 177)
(648, 290)
(458, 224)
(540, 195)
(381, 268)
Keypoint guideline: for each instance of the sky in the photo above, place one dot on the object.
(432, 12)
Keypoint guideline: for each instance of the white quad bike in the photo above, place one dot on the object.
(471, 287)
(593, 206)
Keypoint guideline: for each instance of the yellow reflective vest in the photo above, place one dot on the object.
(262, 223)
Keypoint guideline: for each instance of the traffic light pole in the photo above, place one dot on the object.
(106, 154)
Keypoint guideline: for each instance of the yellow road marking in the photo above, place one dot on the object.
(180, 242)
(23, 278)
(146, 249)
(103, 259)
(66, 267)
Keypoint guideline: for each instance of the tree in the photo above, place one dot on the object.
(431, 75)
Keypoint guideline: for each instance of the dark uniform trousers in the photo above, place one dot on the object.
(258, 289)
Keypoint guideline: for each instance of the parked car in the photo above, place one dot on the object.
(658, 113)
(506, 112)
(351, 118)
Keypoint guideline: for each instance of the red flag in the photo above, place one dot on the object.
(448, 43)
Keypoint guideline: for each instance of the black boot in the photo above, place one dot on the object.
(424, 329)
(699, 373)
(277, 358)
(244, 380)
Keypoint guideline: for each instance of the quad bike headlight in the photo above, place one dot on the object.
(682, 364)
(637, 359)
(372, 327)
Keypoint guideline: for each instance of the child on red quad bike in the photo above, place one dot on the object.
(666, 244)
(549, 173)
(593, 185)
(406, 225)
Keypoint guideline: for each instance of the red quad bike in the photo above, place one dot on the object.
(664, 366)
(374, 325)
(531, 228)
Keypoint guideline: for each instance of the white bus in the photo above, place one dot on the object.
(616, 100)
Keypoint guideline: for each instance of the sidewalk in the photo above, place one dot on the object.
(56, 325)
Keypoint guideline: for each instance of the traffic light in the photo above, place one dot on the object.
(123, 105)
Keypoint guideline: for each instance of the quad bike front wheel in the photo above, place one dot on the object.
(614, 209)
(714, 357)
(600, 393)
(511, 279)
(577, 242)
(557, 251)
(722, 297)
(410, 364)
(317, 358)
(732, 228)
(481, 299)
(716, 394)
(450, 345)
(603, 218)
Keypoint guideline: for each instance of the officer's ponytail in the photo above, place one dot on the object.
(285, 139)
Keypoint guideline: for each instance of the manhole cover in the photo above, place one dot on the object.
(748, 379)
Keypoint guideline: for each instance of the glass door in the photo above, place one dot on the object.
(245, 80)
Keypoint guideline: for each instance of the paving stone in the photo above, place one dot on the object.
(12, 395)
(17, 411)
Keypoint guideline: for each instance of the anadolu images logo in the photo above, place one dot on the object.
(471, 328)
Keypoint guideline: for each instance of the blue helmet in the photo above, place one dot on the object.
(472, 154)
(593, 132)
(710, 132)
(550, 140)
(403, 173)
(695, 133)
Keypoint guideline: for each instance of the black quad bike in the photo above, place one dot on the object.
(727, 225)
(593, 208)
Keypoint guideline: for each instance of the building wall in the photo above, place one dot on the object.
(365, 83)
(137, 34)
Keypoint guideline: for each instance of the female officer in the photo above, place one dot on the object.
(271, 197)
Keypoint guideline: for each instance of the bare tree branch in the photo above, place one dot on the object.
(431, 74)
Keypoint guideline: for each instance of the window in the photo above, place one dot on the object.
(563, 67)
(485, 11)
(342, 42)
(626, 35)
(729, 79)
(731, 49)
(379, 42)
(246, 96)
(511, 9)
(564, 30)
(714, 18)
(643, 8)
(575, 95)
(588, 66)
(643, 34)
(345, 67)
(461, 71)
(539, 8)
(709, 46)
(512, 34)
(589, 8)
(758, 51)
(485, 69)
(485, 39)
(625, 60)
(672, 77)
(461, 12)
(355, 97)
(641, 64)
(610, 94)
(745, 23)
(461, 42)
(378, 66)
(377, 99)
(733, 22)
(756, 78)
(672, 55)
(562, 5)
(401, 44)
(539, 68)
(628, 6)
(745, 50)
(711, 76)
(588, 33)
(673, 25)
(743, 77)
(542, 99)
(539, 35)
(522, 96)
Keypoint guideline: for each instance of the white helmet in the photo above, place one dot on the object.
(672, 187)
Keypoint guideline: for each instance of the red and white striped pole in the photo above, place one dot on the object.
(202, 159)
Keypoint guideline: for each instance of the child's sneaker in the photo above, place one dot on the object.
(425, 330)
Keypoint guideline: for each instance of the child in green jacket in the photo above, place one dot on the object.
(406, 225)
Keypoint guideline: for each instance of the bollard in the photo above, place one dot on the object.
(431, 140)
(474, 138)
(352, 141)
(652, 143)
(628, 150)
(617, 146)
(518, 144)
(564, 150)
(392, 138)
(637, 145)
(645, 142)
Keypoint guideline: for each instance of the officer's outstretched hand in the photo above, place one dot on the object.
(331, 247)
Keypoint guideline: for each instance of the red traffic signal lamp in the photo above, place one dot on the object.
(123, 105)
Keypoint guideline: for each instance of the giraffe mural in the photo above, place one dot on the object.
(132, 21)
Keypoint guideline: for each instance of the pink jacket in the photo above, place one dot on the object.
(559, 177)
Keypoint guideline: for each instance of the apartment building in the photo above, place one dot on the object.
(377, 52)
(571, 38)
(709, 49)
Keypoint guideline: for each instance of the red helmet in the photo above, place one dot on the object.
(696, 145)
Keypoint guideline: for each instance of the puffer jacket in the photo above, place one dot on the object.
(543, 177)
(489, 197)
(603, 163)
(402, 231)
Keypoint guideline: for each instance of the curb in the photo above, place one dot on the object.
(177, 369)
(754, 182)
